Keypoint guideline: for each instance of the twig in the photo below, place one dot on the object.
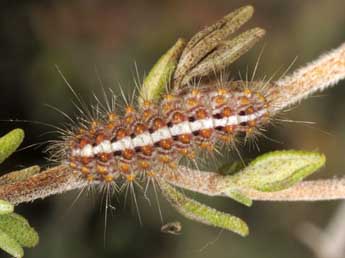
(318, 75)
(55, 180)
(59, 180)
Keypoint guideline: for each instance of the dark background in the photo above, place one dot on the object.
(89, 40)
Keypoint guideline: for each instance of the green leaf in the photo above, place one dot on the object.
(10, 142)
(202, 213)
(18, 229)
(159, 77)
(277, 170)
(10, 246)
(5, 207)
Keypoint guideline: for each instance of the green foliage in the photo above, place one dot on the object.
(10, 142)
(10, 245)
(278, 170)
(272, 171)
(15, 231)
(202, 213)
(159, 76)
(17, 227)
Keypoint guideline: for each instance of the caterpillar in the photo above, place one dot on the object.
(146, 141)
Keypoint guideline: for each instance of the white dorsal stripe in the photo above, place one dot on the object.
(146, 138)
(181, 128)
(116, 146)
(142, 140)
(161, 134)
(104, 146)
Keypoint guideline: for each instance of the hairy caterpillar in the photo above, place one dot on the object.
(146, 141)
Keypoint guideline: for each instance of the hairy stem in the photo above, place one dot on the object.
(212, 184)
(316, 76)
(55, 180)
(59, 179)
(316, 190)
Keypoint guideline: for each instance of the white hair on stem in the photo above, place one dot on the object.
(316, 76)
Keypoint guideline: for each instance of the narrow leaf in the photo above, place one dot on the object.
(225, 54)
(10, 142)
(232, 21)
(159, 77)
(202, 213)
(208, 39)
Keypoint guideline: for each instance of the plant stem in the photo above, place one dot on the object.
(316, 76)
(212, 184)
(59, 180)
(55, 180)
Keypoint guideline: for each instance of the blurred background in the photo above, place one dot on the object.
(93, 41)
